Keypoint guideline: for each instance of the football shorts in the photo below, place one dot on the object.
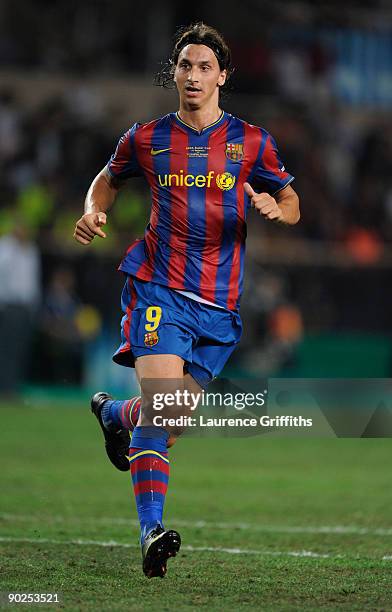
(159, 321)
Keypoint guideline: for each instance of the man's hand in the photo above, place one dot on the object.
(264, 203)
(89, 226)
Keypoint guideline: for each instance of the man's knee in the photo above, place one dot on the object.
(172, 440)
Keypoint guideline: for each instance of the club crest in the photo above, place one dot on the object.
(151, 338)
(234, 151)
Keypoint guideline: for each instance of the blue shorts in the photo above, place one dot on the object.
(159, 321)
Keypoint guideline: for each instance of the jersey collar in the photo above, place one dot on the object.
(193, 130)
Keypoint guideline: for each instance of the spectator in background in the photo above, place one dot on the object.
(61, 342)
(66, 325)
(20, 292)
(274, 320)
(10, 127)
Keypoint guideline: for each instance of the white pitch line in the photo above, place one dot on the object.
(322, 529)
(217, 549)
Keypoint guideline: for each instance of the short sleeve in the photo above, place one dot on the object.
(270, 174)
(123, 164)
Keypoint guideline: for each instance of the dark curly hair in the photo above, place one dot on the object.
(199, 34)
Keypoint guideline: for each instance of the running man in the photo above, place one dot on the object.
(184, 279)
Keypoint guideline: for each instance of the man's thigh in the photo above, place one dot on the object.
(159, 366)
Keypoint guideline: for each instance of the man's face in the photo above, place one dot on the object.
(197, 76)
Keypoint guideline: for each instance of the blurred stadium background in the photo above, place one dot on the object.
(74, 76)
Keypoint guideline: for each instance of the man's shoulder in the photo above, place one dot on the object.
(148, 126)
(249, 127)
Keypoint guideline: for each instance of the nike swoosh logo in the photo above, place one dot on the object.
(157, 151)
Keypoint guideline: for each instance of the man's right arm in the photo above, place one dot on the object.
(99, 199)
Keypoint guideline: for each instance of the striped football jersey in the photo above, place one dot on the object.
(195, 239)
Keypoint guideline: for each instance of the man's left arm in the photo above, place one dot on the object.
(283, 207)
(288, 202)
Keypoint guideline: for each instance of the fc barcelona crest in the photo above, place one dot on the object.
(234, 151)
(151, 338)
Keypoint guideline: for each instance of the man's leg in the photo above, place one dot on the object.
(148, 457)
(121, 413)
(115, 416)
(149, 464)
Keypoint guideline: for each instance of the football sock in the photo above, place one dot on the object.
(149, 466)
(121, 413)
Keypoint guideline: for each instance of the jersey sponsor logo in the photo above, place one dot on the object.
(234, 151)
(157, 151)
(224, 181)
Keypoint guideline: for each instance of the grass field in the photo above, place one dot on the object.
(266, 524)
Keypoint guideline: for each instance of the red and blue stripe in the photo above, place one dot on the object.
(150, 477)
(196, 236)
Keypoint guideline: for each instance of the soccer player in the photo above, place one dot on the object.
(205, 169)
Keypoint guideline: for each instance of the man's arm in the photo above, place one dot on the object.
(99, 199)
(284, 207)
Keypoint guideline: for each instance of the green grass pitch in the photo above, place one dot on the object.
(266, 524)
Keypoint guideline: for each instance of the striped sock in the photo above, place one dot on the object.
(121, 413)
(149, 465)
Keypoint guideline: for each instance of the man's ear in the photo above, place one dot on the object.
(222, 78)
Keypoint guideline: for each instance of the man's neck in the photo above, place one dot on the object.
(200, 118)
